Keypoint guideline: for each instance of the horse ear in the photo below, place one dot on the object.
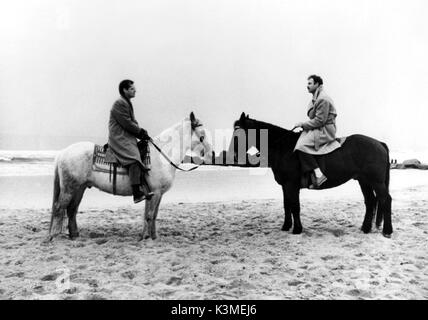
(248, 116)
(192, 117)
(242, 116)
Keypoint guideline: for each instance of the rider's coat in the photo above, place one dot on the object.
(319, 133)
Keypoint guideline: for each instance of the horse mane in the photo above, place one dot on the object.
(277, 129)
(167, 131)
(267, 125)
(280, 136)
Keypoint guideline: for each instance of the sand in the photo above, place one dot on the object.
(219, 250)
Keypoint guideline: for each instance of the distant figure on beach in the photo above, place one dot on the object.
(122, 141)
(319, 132)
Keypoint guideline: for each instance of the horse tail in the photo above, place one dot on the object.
(379, 213)
(57, 187)
(56, 199)
(388, 166)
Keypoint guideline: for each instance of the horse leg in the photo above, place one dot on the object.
(72, 212)
(384, 206)
(148, 224)
(370, 202)
(63, 196)
(293, 200)
(287, 212)
(155, 214)
(58, 211)
(379, 216)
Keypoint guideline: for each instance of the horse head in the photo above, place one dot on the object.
(199, 142)
(248, 139)
(253, 137)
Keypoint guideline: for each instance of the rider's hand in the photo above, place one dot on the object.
(143, 135)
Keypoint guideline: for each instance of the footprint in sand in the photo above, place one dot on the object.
(273, 261)
(15, 275)
(175, 281)
(50, 277)
(336, 232)
(39, 289)
(93, 283)
(328, 257)
(240, 284)
(33, 229)
(95, 297)
(358, 293)
(71, 290)
(395, 275)
(418, 224)
(295, 283)
(129, 274)
(101, 241)
(96, 235)
(53, 258)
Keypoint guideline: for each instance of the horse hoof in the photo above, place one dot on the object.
(297, 231)
(73, 236)
(143, 237)
(366, 229)
(48, 239)
(386, 235)
(286, 226)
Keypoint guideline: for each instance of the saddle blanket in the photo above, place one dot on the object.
(99, 162)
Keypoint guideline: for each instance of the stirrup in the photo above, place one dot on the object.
(149, 195)
(139, 198)
(317, 182)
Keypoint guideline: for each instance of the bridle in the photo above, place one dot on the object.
(236, 127)
(196, 125)
(201, 139)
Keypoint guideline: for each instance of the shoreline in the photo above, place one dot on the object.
(35, 192)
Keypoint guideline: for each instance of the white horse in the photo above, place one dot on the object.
(74, 173)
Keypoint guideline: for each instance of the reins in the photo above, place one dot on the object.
(169, 160)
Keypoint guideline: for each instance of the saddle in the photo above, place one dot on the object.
(100, 164)
(306, 178)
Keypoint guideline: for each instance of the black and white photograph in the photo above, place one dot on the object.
(226, 150)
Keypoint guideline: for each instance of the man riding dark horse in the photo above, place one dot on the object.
(122, 141)
(319, 133)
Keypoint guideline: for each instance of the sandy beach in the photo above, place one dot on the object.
(221, 250)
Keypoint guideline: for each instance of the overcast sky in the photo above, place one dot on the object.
(61, 62)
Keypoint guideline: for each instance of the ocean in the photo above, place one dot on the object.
(26, 181)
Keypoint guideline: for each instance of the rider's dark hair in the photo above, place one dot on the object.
(124, 85)
(317, 79)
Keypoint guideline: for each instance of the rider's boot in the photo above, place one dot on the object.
(318, 178)
(146, 189)
(137, 193)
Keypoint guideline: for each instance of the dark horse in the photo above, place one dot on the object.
(360, 157)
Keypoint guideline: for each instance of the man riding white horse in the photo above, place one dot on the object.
(122, 141)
